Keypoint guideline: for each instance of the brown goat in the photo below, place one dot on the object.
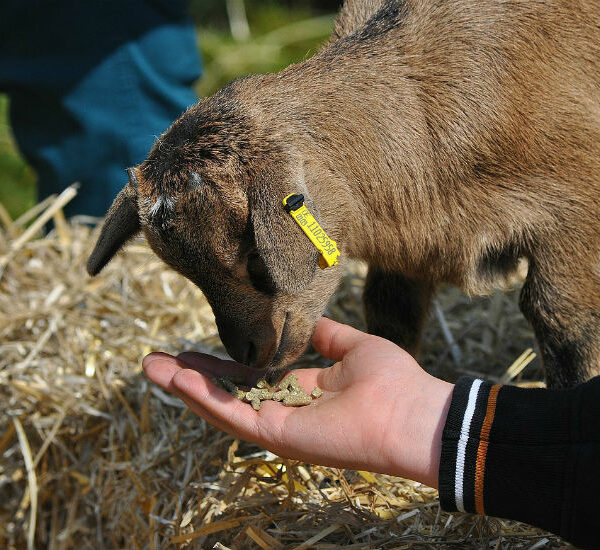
(440, 141)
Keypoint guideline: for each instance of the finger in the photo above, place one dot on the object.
(160, 368)
(333, 340)
(265, 427)
(202, 412)
(161, 371)
(225, 411)
(268, 429)
(219, 408)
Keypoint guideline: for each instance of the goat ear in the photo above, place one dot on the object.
(288, 254)
(122, 222)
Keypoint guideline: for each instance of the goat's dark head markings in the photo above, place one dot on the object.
(210, 205)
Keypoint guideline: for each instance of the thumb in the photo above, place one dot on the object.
(333, 340)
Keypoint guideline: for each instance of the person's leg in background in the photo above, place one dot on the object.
(92, 84)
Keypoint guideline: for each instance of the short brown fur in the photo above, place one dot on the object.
(440, 141)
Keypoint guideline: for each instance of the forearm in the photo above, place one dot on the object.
(530, 455)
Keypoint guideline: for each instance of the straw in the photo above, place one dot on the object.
(67, 195)
(31, 480)
(92, 455)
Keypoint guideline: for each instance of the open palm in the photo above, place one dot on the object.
(379, 410)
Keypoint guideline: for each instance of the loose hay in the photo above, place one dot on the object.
(94, 456)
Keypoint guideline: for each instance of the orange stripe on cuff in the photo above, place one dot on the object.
(483, 446)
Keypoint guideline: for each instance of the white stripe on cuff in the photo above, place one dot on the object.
(462, 445)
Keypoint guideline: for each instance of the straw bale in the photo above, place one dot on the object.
(94, 456)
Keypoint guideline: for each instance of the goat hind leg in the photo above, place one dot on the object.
(564, 310)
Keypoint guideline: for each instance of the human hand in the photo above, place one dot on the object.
(380, 411)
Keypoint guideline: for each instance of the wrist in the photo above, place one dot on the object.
(418, 443)
(433, 424)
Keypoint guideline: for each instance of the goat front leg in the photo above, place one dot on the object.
(561, 300)
(396, 307)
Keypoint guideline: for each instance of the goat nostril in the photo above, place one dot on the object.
(251, 354)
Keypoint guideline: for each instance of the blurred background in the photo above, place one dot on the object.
(235, 37)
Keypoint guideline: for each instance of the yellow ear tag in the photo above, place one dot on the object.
(330, 254)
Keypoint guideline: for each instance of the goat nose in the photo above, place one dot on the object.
(247, 344)
(243, 352)
(251, 354)
(240, 346)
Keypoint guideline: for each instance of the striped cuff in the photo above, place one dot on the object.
(464, 445)
(525, 454)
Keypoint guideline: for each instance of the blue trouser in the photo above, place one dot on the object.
(92, 83)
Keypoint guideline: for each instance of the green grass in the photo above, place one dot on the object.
(279, 36)
(17, 180)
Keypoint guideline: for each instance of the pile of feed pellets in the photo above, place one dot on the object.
(288, 391)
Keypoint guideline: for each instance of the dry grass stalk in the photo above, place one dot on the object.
(31, 480)
(18, 243)
(117, 463)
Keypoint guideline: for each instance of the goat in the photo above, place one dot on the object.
(440, 141)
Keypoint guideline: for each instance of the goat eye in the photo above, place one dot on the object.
(259, 274)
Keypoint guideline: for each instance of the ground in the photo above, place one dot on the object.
(94, 456)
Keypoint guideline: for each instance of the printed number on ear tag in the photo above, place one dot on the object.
(330, 254)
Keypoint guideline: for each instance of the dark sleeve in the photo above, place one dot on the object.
(532, 455)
